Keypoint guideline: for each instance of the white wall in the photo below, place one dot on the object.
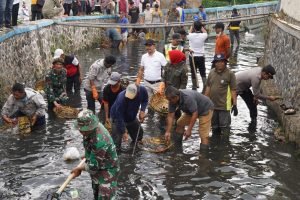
(291, 7)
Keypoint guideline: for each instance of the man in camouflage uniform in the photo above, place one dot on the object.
(55, 88)
(101, 157)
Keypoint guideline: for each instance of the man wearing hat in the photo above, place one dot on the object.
(133, 14)
(221, 89)
(222, 41)
(174, 45)
(98, 75)
(72, 66)
(101, 157)
(55, 85)
(110, 93)
(124, 111)
(152, 64)
(252, 78)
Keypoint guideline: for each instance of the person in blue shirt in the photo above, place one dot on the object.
(124, 111)
(202, 13)
(124, 31)
(114, 36)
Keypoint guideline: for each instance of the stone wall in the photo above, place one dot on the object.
(282, 51)
(27, 56)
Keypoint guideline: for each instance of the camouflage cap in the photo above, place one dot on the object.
(86, 121)
(58, 60)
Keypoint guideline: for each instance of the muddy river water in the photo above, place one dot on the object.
(251, 165)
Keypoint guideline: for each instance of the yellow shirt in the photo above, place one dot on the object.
(33, 2)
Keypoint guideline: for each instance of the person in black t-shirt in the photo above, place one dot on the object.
(134, 13)
(110, 93)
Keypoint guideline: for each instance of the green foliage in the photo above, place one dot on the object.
(220, 3)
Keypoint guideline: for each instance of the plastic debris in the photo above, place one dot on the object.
(71, 153)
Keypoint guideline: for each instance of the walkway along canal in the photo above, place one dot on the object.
(251, 165)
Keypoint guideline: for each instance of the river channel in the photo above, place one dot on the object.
(251, 165)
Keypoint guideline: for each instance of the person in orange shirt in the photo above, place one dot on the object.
(222, 41)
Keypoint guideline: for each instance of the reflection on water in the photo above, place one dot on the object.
(251, 165)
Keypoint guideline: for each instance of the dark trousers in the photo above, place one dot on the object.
(15, 12)
(236, 34)
(115, 43)
(200, 65)
(132, 128)
(36, 12)
(5, 12)
(75, 8)
(91, 101)
(67, 8)
(73, 81)
(248, 97)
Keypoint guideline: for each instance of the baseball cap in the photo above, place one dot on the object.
(114, 78)
(131, 91)
(176, 36)
(219, 57)
(196, 18)
(149, 42)
(270, 70)
(58, 53)
(86, 121)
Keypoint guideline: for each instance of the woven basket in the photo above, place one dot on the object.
(24, 125)
(156, 144)
(159, 104)
(66, 112)
(39, 85)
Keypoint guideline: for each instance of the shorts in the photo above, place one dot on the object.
(124, 36)
(204, 123)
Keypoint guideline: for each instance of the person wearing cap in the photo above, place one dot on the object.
(72, 66)
(174, 45)
(221, 89)
(234, 28)
(197, 37)
(24, 102)
(222, 41)
(252, 78)
(194, 106)
(157, 17)
(151, 68)
(102, 161)
(172, 16)
(133, 14)
(98, 75)
(124, 31)
(55, 85)
(202, 13)
(124, 111)
(110, 93)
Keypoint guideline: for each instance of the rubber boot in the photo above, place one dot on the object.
(194, 87)
(204, 148)
(177, 138)
(204, 83)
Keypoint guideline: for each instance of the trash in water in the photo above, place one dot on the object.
(71, 153)
(74, 194)
(132, 178)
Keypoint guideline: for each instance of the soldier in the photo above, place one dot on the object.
(174, 45)
(55, 88)
(101, 157)
(24, 102)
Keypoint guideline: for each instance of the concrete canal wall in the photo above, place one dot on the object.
(282, 51)
(26, 52)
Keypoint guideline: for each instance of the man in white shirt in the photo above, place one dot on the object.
(197, 37)
(152, 64)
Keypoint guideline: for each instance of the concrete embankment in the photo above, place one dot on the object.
(282, 51)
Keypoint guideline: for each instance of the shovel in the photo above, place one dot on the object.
(194, 69)
(57, 194)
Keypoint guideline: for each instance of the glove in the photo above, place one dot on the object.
(234, 110)
(161, 88)
(95, 93)
(138, 80)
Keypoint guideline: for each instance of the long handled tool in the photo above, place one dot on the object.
(57, 194)
(137, 136)
(194, 69)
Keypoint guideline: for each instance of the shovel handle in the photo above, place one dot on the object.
(194, 69)
(68, 180)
